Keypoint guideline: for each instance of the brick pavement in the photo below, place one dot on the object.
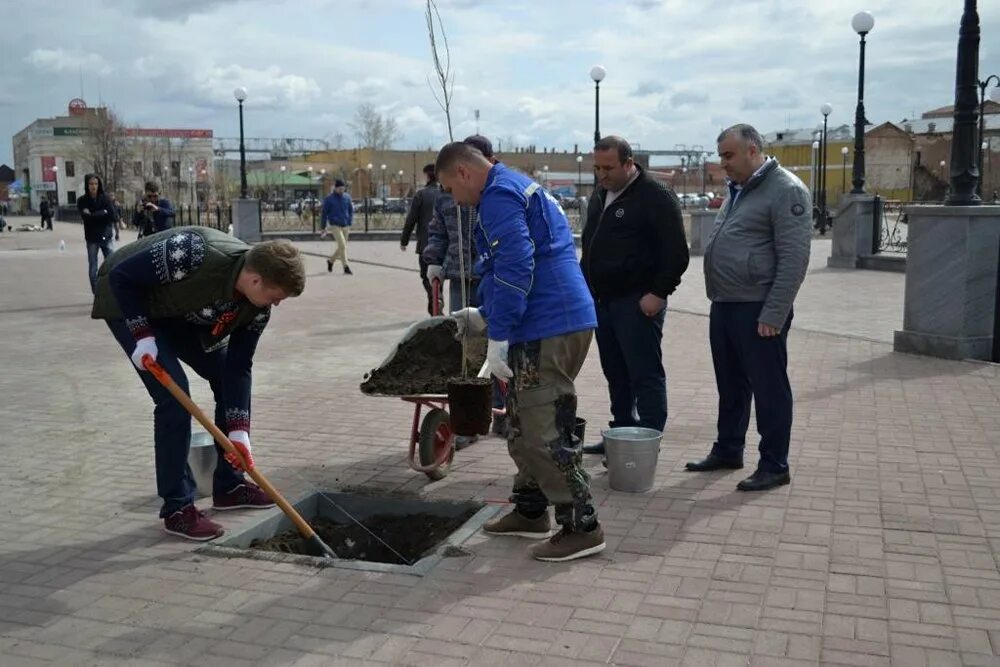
(882, 551)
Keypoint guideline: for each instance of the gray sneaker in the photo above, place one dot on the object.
(569, 545)
(518, 525)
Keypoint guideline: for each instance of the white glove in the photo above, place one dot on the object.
(143, 347)
(470, 322)
(241, 441)
(435, 272)
(496, 359)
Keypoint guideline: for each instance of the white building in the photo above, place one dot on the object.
(52, 155)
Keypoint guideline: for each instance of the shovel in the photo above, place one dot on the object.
(313, 542)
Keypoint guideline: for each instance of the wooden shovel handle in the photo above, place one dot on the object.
(164, 378)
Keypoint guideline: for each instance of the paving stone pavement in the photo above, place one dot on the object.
(883, 550)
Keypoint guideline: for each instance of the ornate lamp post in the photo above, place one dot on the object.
(863, 22)
(368, 194)
(826, 109)
(814, 176)
(241, 94)
(843, 172)
(964, 173)
(597, 73)
(983, 145)
(284, 202)
(579, 175)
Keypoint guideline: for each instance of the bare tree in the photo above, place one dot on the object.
(442, 67)
(106, 148)
(374, 130)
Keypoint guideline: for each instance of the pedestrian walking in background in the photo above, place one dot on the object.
(337, 217)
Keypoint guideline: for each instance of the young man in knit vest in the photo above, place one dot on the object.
(200, 296)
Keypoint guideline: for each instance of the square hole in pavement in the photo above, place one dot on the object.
(367, 532)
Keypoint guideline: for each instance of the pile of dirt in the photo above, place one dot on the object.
(423, 362)
(389, 538)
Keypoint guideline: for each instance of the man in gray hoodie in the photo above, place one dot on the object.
(755, 261)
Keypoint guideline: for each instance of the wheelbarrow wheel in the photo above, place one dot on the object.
(436, 437)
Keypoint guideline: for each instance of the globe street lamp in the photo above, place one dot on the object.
(941, 164)
(579, 174)
(368, 194)
(824, 109)
(814, 175)
(983, 145)
(381, 189)
(312, 196)
(597, 73)
(863, 22)
(191, 181)
(284, 203)
(241, 94)
(55, 175)
(545, 175)
(843, 170)
(400, 173)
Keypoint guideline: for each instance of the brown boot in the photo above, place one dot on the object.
(519, 525)
(569, 545)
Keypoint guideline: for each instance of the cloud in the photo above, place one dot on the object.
(688, 98)
(648, 88)
(61, 60)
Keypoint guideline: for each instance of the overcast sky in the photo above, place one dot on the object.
(677, 70)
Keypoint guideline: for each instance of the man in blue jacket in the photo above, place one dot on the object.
(539, 317)
(153, 213)
(337, 216)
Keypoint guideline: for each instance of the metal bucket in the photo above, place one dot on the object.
(632, 453)
(202, 459)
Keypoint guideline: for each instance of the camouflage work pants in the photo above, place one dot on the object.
(541, 403)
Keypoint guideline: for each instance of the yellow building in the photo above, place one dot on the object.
(888, 160)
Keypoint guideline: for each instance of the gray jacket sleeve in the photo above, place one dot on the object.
(792, 228)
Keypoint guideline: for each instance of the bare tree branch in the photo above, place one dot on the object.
(445, 79)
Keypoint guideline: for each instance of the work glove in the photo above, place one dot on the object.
(144, 346)
(470, 322)
(241, 441)
(496, 360)
(435, 272)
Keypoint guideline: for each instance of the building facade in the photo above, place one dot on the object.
(52, 156)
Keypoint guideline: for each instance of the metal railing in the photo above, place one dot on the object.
(889, 226)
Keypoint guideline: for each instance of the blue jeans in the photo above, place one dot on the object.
(176, 342)
(747, 366)
(106, 246)
(629, 346)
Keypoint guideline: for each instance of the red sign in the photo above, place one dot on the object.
(48, 174)
(77, 107)
(172, 134)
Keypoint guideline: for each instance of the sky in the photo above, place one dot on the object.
(678, 71)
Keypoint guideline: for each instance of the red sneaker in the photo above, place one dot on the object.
(191, 524)
(243, 496)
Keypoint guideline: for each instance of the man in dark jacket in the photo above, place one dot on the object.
(755, 261)
(201, 296)
(153, 213)
(634, 254)
(45, 210)
(98, 215)
(419, 217)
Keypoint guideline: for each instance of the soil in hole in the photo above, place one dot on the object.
(423, 363)
(411, 535)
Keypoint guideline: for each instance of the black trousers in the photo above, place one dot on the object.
(429, 289)
(749, 366)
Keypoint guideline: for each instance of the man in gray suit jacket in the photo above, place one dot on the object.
(755, 261)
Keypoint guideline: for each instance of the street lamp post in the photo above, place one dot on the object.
(545, 175)
(312, 196)
(368, 194)
(983, 145)
(843, 170)
(284, 195)
(579, 174)
(863, 22)
(55, 174)
(381, 189)
(943, 178)
(824, 109)
(684, 171)
(597, 73)
(964, 172)
(191, 182)
(241, 94)
(814, 176)
(400, 172)
(704, 168)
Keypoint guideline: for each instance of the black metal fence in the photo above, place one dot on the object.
(218, 216)
(889, 226)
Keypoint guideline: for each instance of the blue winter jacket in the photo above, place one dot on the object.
(532, 287)
(337, 210)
